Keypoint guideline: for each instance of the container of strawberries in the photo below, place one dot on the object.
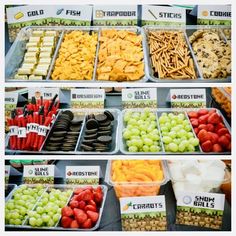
(84, 209)
(212, 130)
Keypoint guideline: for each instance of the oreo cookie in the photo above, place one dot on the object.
(105, 128)
(59, 133)
(92, 124)
(104, 124)
(91, 136)
(68, 113)
(105, 139)
(109, 115)
(91, 131)
(86, 148)
(101, 118)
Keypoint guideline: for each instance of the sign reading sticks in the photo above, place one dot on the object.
(188, 98)
(159, 15)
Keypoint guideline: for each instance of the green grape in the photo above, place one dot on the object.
(190, 135)
(39, 209)
(133, 149)
(188, 128)
(56, 217)
(32, 221)
(194, 141)
(167, 139)
(173, 147)
(191, 148)
(145, 148)
(181, 147)
(148, 141)
(172, 134)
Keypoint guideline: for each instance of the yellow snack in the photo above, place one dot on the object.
(120, 56)
(76, 57)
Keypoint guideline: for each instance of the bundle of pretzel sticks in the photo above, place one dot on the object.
(170, 55)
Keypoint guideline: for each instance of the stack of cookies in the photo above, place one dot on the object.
(98, 132)
(65, 132)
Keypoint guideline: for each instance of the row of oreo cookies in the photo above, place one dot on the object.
(98, 132)
(65, 133)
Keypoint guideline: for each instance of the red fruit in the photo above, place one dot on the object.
(81, 205)
(194, 122)
(90, 208)
(214, 137)
(74, 224)
(229, 147)
(88, 187)
(222, 131)
(202, 126)
(88, 195)
(203, 136)
(80, 216)
(203, 119)
(217, 148)
(213, 110)
(98, 189)
(92, 202)
(66, 221)
(228, 136)
(214, 118)
(78, 190)
(93, 216)
(223, 141)
(80, 196)
(74, 204)
(66, 211)
(192, 114)
(98, 197)
(206, 146)
(210, 127)
(87, 224)
(202, 112)
(196, 130)
(219, 126)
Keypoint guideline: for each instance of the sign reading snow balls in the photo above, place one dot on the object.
(84, 98)
(188, 98)
(34, 174)
(82, 175)
(159, 15)
(143, 213)
(200, 209)
(115, 15)
(214, 15)
(139, 98)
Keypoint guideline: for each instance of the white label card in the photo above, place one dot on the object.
(46, 93)
(34, 171)
(11, 98)
(83, 174)
(139, 98)
(188, 98)
(163, 15)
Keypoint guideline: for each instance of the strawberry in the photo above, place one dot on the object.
(92, 202)
(202, 112)
(219, 126)
(222, 131)
(214, 137)
(93, 216)
(210, 127)
(88, 187)
(217, 148)
(196, 130)
(80, 196)
(223, 141)
(66, 221)
(98, 197)
(90, 208)
(74, 224)
(202, 126)
(80, 215)
(78, 190)
(98, 189)
(193, 114)
(87, 224)
(66, 211)
(203, 136)
(214, 118)
(206, 146)
(88, 195)
(228, 136)
(74, 204)
(203, 119)
(228, 148)
(194, 122)
(81, 204)
(213, 110)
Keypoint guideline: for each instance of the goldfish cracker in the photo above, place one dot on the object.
(76, 57)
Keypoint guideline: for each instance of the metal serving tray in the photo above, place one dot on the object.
(57, 225)
(188, 31)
